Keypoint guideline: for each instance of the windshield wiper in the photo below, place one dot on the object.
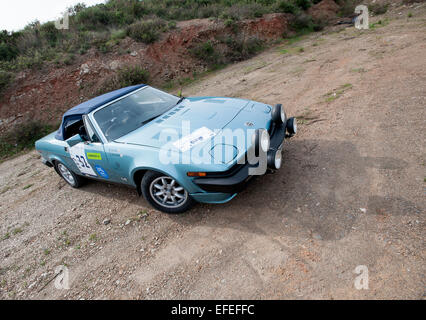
(180, 100)
(153, 118)
(149, 120)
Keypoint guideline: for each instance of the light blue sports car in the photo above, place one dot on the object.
(174, 151)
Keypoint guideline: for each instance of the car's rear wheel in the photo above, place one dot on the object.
(165, 194)
(70, 177)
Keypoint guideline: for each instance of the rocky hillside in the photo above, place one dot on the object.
(183, 50)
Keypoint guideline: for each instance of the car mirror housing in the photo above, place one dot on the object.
(74, 140)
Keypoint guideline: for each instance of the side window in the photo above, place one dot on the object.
(72, 128)
(90, 131)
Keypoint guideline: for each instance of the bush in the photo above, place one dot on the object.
(171, 25)
(287, 7)
(69, 59)
(147, 31)
(49, 32)
(8, 49)
(141, 20)
(95, 17)
(118, 34)
(5, 80)
(131, 76)
(29, 41)
(22, 137)
(240, 11)
(302, 23)
(378, 8)
(232, 24)
(241, 49)
(207, 53)
(33, 60)
(347, 7)
(8, 52)
(303, 4)
(125, 77)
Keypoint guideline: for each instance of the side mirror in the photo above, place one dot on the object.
(74, 140)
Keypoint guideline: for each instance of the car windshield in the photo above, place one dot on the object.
(128, 114)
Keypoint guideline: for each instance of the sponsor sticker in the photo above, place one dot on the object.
(102, 172)
(94, 156)
(197, 137)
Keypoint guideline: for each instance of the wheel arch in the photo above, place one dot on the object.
(139, 173)
(137, 179)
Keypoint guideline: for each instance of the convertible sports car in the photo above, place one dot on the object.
(174, 151)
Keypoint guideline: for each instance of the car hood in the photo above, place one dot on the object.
(193, 114)
(196, 121)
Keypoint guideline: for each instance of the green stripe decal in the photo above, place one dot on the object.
(94, 156)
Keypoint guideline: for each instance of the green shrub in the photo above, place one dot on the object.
(132, 76)
(69, 59)
(303, 4)
(287, 7)
(95, 17)
(240, 11)
(49, 32)
(347, 7)
(144, 21)
(8, 48)
(241, 49)
(29, 62)
(22, 137)
(302, 23)
(8, 52)
(147, 31)
(118, 34)
(101, 40)
(231, 23)
(5, 80)
(207, 53)
(30, 40)
(378, 8)
(171, 25)
(125, 77)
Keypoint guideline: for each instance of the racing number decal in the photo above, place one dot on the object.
(82, 162)
(79, 157)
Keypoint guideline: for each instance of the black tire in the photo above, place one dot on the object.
(276, 114)
(76, 181)
(292, 126)
(149, 181)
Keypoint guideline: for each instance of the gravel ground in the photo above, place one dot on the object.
(351, 192)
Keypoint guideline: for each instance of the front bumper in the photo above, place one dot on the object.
(235, 179)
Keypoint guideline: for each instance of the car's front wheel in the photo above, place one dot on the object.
(70, 177)
(165, 194)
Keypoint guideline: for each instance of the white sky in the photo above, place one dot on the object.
(16, 14)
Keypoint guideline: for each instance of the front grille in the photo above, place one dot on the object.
(224, 174)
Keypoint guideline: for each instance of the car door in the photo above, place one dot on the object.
(95, 155)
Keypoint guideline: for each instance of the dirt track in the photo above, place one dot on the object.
(298, 234)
